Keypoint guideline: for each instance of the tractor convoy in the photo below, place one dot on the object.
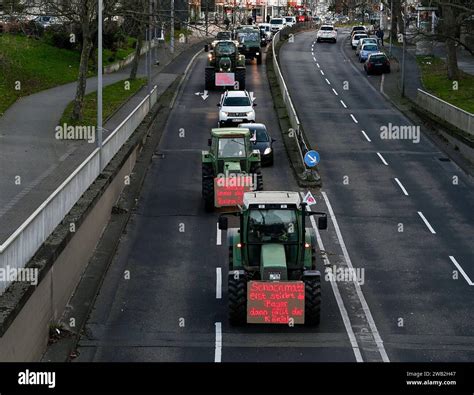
(273, 276)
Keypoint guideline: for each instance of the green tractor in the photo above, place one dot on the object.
(273, 276)
(226, 66)
(230, 168)
(249, 39)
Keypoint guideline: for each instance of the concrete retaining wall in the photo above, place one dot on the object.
(455, 116)
(25, 339)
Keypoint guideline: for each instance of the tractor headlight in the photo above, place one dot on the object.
(258, 53)
(267, 151)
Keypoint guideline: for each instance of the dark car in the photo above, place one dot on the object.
(377, 63)
(261, 140)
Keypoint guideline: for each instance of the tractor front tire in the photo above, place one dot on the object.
(240, 77)
(237, 293)
(208, 187)
(210, 78)
(312, 302)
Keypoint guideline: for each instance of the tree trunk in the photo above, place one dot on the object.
(450, 28)
(82, 79)
(136, 59)
(394, 19)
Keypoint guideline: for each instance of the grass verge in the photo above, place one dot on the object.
(435, 81)
(114, 96)
(29, 66)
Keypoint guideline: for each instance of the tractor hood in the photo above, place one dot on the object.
(273, 262)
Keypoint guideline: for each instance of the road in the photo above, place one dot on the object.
(168, 310)
(159, 300)
(404, 210)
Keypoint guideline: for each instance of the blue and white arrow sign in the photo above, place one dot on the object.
(311, 158)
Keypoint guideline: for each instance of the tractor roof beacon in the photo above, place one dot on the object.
(230, 154)
(272, 244)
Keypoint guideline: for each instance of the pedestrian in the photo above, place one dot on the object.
(268, 18)
(226, 23)
(379, 35)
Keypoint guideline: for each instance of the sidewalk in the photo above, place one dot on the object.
(33, 163)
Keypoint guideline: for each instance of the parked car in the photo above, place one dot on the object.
(358, 29)
(366, 50)
(377, 63)
(236, 107)
(326, 33)
(367, 40)
(46, 21)
(277, 24)
(261, 140)
(290, 20)
(355, 39)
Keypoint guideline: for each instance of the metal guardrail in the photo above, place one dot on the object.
(21, 246)
(463, 120)
(294, 120)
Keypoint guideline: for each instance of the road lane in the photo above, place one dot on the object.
(409, 283)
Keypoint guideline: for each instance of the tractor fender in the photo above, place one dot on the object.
(311, 273)
(205, 157)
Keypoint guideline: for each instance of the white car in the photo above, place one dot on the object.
(290, 20)
(277, 24)
(236, 107)
(326, 33)
(355, 39)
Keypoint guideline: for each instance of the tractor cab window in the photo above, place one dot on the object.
(247, 37)
(231, 148)
(272, 226)
(224, 48)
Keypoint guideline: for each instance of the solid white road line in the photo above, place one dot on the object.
(335, 92)
(327, 81)
(337, 294)
(466, 277)
(365, 306)
(401, 186)
(218, 350)
(322, 72)
(367, 137)
(382, 159)
(426, 222)
(218, 283)
(219, 235)
(343, 104)
(381, 83)
(354, 118)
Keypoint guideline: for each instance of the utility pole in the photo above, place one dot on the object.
(150, 35)
(99, 83)
(403, 61)
(172, 28)
(391, 16)
(207, 18)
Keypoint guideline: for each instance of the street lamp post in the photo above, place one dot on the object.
(99, 82)
(391, 16)
(403, 60)
(172, 28)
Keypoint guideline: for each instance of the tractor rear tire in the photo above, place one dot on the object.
(237, 293)
(312, 302)
(208, 187)
(257, 169)
(210, 79)
(240, 77)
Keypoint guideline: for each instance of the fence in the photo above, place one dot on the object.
(294, 120)
(20, 247)
(451, 114)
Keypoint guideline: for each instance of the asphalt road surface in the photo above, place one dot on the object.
(398, 214)
(169, 309)
(404, 211)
